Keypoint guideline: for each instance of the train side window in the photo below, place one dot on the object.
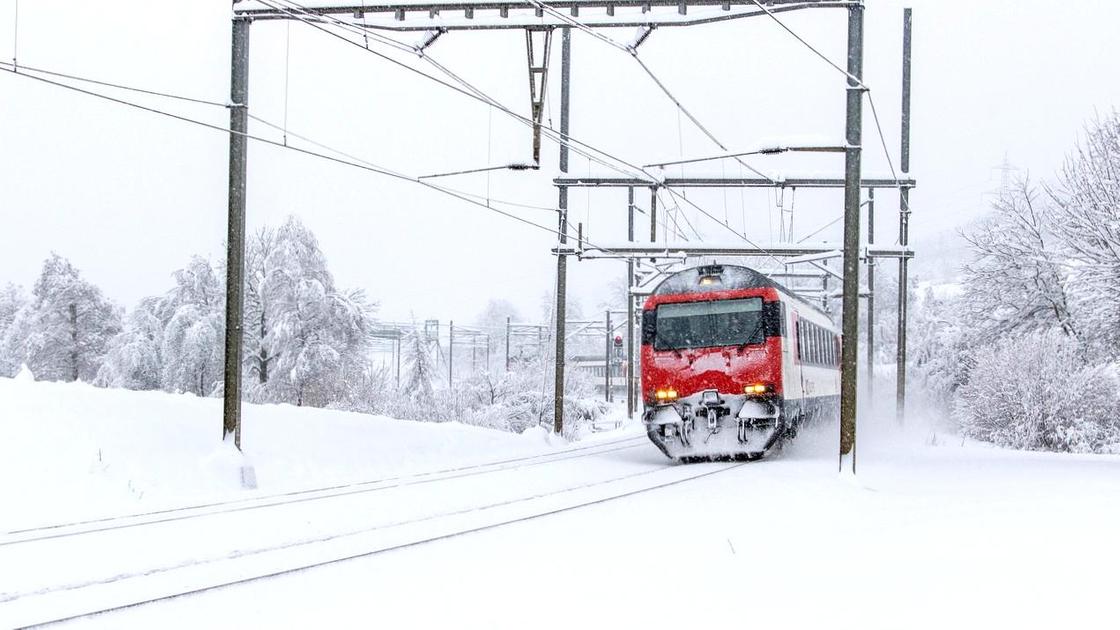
(819, 348)
(812, 343)
(809, 343)
(800, 348)
(820, 345)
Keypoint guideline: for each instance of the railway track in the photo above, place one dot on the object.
(76, 528)
(158, 584)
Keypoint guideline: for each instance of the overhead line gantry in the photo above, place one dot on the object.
(539, 20)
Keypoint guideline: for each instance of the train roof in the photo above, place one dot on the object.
(731, 277)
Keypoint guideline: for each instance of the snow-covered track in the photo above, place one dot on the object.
(62, 530)
(165, 583)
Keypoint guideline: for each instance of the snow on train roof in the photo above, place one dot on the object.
(731, 277)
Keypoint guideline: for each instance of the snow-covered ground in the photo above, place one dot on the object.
(926, 536)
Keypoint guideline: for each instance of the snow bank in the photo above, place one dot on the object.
(70, 450)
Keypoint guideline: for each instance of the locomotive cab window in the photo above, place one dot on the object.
(709, 324)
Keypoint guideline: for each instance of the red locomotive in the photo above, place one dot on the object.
(728, 351)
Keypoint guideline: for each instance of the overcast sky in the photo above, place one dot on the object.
(128, 196)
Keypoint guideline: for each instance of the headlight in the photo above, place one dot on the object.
(757, 388)
(666, 395)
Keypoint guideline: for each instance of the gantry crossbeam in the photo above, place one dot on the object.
(492, 15)
(726, 182)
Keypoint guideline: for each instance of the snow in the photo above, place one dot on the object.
(954, 535)
(84, 452)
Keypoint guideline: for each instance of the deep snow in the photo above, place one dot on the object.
(71, 450)
(927, 535)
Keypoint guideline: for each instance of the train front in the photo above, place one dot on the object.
(712, 364)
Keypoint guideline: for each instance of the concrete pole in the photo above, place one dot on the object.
(849, 354)
(630, 398)
(235, 235)
(507, 344)
(607, 363)
(871, 300)
(903, 224)
(450, 352)
(562, 261)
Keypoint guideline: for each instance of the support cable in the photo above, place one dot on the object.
(10, 67)
(762, 250)
(467, 89)
(851, 77)
(15, 39)
(356, 163)
(473, 92)
(856, 81)
(553, 134)
(61, 75)
(633, 52)
(287, 68)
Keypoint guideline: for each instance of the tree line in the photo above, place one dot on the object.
(307, 341)
(1026, 354)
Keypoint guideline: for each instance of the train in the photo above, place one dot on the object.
(733, 364)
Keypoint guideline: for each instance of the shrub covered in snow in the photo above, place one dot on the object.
(1036, 392)
(520, 399)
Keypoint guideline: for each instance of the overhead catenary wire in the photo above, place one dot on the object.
(857, 81)
(287, 68)
(15, 37)
(473, 92)
(62, 75)
(281, 128)
(851, 77)
(469, 90)
(465, 88)
(633, 52)
(356, 163)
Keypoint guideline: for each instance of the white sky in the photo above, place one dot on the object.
(129, 196)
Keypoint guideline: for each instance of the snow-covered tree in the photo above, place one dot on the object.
(63, 333)
(192, 351)
(305, 333)
(942, 346)
(12, 301)
(1088, 222)
(193, 317)
(134, 360)
(12, 298)
(1017, 282)
(258, 317)
(419, 366)
(1035, 391)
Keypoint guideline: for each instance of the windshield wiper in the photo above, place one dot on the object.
(668, 346)
(750, 338)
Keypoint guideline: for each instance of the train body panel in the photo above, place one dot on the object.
(732, 363)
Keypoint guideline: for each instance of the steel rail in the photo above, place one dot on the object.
(413, 543)
(300, 496)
